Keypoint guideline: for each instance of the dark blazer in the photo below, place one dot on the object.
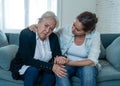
(26, 51)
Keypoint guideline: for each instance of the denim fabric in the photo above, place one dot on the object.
(47, 79)
(87, 75)
(31, 78)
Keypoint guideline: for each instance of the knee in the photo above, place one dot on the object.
(90, 71)
(32, 71)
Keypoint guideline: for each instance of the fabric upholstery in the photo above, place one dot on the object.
(7, 53)
(108, 72)
(3, 39)
(113, 53)
(103, 52)
(6, 75)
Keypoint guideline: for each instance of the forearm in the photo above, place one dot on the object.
(81, 63)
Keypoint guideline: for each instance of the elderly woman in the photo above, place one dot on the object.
(36, 54)
(81, 44)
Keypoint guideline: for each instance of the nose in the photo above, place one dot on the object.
(48, 29)
(73, 28)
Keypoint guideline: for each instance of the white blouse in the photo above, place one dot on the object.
(77, 52)
(42, 53)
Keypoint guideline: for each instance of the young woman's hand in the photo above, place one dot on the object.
(33, 27)
(60, 60)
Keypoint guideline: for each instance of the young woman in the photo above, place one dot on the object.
(81, 45)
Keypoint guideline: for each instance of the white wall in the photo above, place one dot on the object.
(71, 8)
(108, 12)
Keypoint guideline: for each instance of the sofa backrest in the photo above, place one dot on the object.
(3, 39)
(108, 38)
(13, 38)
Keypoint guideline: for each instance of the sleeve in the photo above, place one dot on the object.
(95, 48)
(55, 46)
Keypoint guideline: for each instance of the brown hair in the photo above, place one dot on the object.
(88, 20)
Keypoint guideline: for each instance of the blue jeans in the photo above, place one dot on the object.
(86, 74)
(32, 74)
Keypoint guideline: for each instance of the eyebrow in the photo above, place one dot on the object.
(75, 26)
(52, 27)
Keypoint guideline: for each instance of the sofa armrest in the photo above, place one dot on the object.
(113, 53)
(7, 53)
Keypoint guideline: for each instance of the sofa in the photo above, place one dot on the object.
(109, 72)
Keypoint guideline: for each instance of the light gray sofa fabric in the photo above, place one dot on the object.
(7, 53)
(6, 76)
(108, 72)
(103, 52)
(3, 39)
(113, 53)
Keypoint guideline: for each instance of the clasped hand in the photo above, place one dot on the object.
(59, 66)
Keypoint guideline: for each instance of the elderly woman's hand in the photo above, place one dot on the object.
(59, 70)
(60, 60)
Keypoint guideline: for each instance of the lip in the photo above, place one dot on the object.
(45, 34)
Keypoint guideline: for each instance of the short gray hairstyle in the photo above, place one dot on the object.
(49, 14)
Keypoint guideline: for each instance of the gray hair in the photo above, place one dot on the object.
(49, 14)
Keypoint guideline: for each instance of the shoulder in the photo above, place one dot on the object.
(93, 34)
(96, 32)
(27, 33)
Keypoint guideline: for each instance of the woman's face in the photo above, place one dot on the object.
(45, 28)
(77, 28)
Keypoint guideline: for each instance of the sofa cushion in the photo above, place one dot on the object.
(3, 39)
(103, 52)
(6, 76)
(108, 72)
(113, 53)
(7, 53)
